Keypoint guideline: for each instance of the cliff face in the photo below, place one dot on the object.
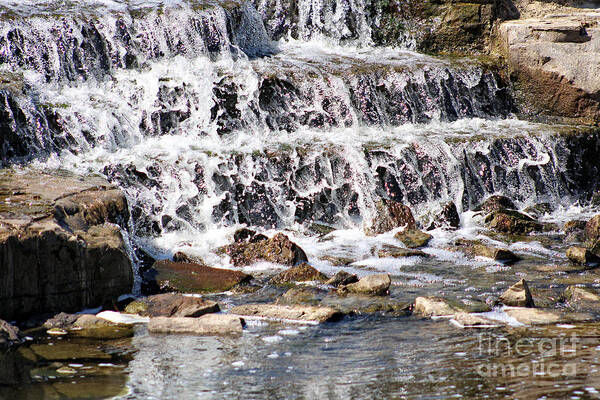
(60, 246)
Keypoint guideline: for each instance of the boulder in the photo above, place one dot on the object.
(195, 278)
(518, 295)
(554, 61)
(375, 285)
(592, 229)
(289, 312)
(582, 256)
(390, 214)
(279, 250)
(413, 238)
(209, 324)
(342, 278)
(61, 321)
(514, 222)
(496, 254)
(536, 316)
(299, 273)
(447, 217)
(60, 249)
(172, 305)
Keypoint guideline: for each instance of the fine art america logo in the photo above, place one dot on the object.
(528, 357)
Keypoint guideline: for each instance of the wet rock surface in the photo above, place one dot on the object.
(61, 248)
(194, 278)
(390, 214)
(300, 273)
(209, 324)
(172, 305)
(375, 285)
(283, 312)
(279, 249)
(413, 238)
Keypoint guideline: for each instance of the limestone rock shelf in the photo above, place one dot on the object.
(61, 247)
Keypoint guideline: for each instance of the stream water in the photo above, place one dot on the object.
(216, 115)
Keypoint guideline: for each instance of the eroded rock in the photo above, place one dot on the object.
(295, 312)
(209, 324)
(582, 256)
(60, 249)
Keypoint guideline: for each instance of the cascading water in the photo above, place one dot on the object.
(215, 115)
(207, 124)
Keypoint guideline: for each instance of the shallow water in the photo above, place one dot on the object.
(208, 125)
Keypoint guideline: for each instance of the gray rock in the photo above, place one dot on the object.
(209, 324)
(9, 335)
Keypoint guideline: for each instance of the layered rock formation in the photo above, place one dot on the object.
(60, 246)
(554, 60)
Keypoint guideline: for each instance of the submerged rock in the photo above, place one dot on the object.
(195, 278)
(375, 285)
(172, 305)
(209, 324)
(536, 316)
(337, 261)
(518, 295)
(438, 306)
(299, 273)
(413, 238)
(473, 320)
(301, 295)
(390, 214)
(342, 278)
(582, 256)
(399, 252)
(279, 249)
(295, 312)
(60, 247)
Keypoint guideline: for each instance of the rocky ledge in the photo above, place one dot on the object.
(554, 61)
(61, 247)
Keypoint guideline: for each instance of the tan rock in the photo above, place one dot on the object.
(300, 273)
(536, 316)
(434, 307)
(518, 295)
(390, 214)
(413, 238)
(209, 324)
(172, 305)
(578, 294)
(377, 284)
(292, 312)
(473, 320)
(582, 256)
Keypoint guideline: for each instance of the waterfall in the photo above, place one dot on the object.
(212, 116)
